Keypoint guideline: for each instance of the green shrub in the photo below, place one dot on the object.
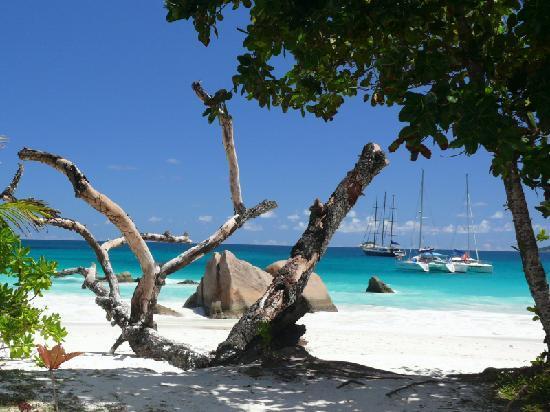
(529, 388)
(23, 279)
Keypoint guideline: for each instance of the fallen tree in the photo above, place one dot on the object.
(277, 307)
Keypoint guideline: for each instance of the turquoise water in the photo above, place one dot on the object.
(345, 271)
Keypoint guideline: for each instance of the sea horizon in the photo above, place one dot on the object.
(444, 249)
(344, 270)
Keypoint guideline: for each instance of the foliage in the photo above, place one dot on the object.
(266, 336)
(19, 320)
(52, 359)
(542, 236)
(25, 213)
(466, 73)
(531, 389)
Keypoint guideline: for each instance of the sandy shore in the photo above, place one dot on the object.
(424, 342)
(398, 340)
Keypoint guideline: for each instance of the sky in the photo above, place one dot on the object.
(107, 85)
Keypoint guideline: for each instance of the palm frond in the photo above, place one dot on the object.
(25, 214)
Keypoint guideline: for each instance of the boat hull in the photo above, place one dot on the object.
(370, 249)
(460, 267)
(416, 266)
(382, 253)
(441, 267)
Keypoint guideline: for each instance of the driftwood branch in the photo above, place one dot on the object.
(7, 194)
(90, 279)
(276, 305)
(217, 238)
(165, 237)
(226, 122)
(101, 255)
(116, 215)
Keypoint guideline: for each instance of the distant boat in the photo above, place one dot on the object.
(427, 259)
(371, 247)
(463, 258)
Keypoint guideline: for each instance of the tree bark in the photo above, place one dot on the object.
(527, 244)
(277, 307)
(7, 194)
(226, 122)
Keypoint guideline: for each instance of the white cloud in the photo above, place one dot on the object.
(283, 227)
(155, 219)
(299, 225)
(173, 161)
(121, 168)
(293, 218)
(497, 215)
(306, 212)
(352, 213)
(272, 242)
(252, 227)
(268, 215)
(353, 225)
(205, 218)
(483, 227)
(507, 227)
(479, 204)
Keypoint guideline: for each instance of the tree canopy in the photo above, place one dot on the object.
(466, 73)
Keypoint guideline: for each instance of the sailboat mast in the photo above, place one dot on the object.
(391, 222)
(384, 219)
(470, 217)
(375, 221)
(421, 210)
(468, 222)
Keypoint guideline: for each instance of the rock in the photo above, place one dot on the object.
(123, 277)
(377, 286)
(315, 292)
(188, 282)
(191, 302)
(163, 310)
(230, 286)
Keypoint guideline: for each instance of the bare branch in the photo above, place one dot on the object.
(90, 279)
(7, 194)
(289, 282)
(218, 237)
(165, 237)
(119, 341)
(228, 140)
(103, 204)
(102, 255)
(71, 271)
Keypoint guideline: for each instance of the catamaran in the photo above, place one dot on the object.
(463, 258)
(370, 247)
(427, 259)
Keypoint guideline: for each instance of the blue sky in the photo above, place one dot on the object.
(107, 85)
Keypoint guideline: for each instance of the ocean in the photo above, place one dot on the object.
(345, 271)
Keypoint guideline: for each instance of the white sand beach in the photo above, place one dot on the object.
(416, 342)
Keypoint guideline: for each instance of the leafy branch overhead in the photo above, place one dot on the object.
(466, 74)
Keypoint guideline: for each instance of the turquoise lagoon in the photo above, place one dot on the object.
(345, 271)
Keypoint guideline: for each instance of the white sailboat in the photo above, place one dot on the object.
(465, 260)
(427, 259)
